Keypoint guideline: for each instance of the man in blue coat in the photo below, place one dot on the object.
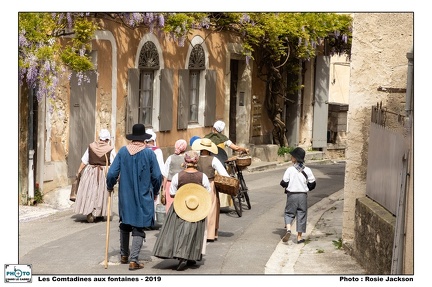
(139, 177)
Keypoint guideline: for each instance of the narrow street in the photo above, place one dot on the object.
(64, 243)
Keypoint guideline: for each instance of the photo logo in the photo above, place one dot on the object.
(18, 273)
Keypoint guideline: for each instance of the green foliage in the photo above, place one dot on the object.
(38, 196)
(284, 150)
(269, 38)
(338, 243)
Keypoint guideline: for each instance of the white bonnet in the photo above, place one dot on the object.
(104, 134)
(152, 133)
(219, 126)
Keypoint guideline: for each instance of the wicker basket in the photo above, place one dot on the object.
(226, 184)
(243, 162)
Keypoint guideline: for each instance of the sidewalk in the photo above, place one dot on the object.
(318, 255)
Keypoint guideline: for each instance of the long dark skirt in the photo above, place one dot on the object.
(179, 238)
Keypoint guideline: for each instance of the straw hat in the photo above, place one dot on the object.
(206, 144)
(192, 202)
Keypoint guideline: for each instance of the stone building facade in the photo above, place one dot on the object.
(379, 63)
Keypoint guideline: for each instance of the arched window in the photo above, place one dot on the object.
(147, 65)
(197, 88)
(196, 67)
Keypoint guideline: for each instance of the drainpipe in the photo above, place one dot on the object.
(409, 88)
(30, 147)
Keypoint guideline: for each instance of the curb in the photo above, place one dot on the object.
(286, 255)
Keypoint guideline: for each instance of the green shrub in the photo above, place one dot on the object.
(38, 196)
(338, 243)
(284, 149)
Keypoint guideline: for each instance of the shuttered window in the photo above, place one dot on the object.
(150, 92)
(197, 92)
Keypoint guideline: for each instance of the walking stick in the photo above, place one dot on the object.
(108, 218)
(107, 230)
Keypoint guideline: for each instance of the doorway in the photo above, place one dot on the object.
(233, 100)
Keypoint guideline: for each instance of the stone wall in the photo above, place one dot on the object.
(379, 46)
(374, 236)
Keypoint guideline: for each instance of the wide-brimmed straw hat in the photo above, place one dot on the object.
(138, 133)
(192, 202)
(206, 144)
(298, 153)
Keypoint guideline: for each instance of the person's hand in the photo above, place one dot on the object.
(244, 151)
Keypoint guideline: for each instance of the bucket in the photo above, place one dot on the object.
(160, 213)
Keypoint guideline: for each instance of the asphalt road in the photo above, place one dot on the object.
(65, 244)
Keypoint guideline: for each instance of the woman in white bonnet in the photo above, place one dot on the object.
(223, 141)
(92, 192)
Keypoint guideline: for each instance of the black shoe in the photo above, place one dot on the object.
(191, 262)
(90, 218)
(182, 264)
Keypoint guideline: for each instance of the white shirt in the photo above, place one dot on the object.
(218, 166)
(174, 182)
(159, 156)
(85, 157)
(296, 180)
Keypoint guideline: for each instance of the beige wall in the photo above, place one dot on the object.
(380, 44)
(339, 79)
(117, 51)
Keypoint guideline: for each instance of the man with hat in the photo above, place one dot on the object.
(294, 182)
(182, 235)
(138, 172)
(210, 164)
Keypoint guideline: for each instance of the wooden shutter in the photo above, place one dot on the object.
(166, 100)
(210, 98)
(82, 119)
(132, 100)
(183, 100)
(320, 110)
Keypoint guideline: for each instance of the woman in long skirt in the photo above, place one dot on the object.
(179, 238)
(92, 194)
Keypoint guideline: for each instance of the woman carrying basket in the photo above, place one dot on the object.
(223, 141)
(209, 165)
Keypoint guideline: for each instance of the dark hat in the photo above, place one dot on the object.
(298, 153)
(138, 133)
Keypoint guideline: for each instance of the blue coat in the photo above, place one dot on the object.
(139, 175)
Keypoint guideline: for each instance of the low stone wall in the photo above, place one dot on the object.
(373, 236)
